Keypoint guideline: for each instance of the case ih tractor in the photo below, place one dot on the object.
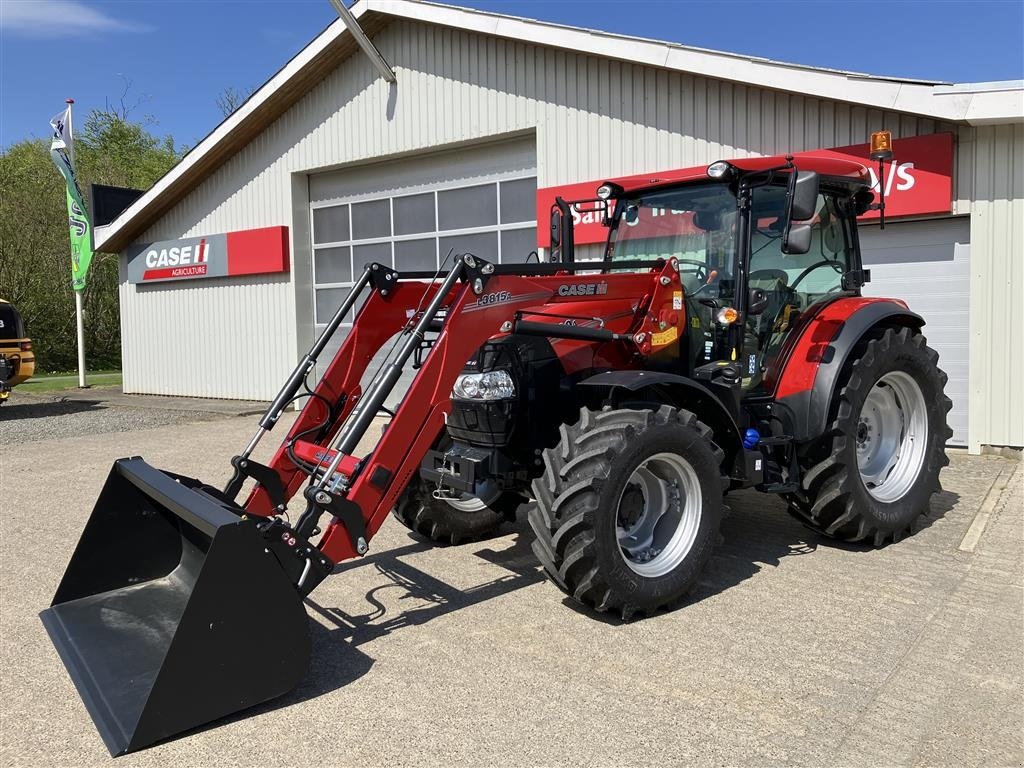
(722, 343)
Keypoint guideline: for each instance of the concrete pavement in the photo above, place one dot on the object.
(794, 650)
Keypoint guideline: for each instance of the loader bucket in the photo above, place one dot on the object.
(172, 612)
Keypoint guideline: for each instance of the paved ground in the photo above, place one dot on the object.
(27, 417)
(794, 650)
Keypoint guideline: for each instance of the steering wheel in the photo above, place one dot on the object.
(769, 274)
(701, 271)
(837, 266)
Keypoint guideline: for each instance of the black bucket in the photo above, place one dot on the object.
(172, 611)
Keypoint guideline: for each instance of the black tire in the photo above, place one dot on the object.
(440, 522)
(577, 506)
(834, 498)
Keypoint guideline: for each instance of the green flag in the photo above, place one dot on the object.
(78, 221)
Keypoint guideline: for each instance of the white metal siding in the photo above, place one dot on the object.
(927, 264)
(997, 286)
(592, 118)
(205, 338)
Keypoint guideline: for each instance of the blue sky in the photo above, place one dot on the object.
(179, 55)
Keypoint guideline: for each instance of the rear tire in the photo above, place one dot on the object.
(449, 523)
(874, 472)
(628, 509)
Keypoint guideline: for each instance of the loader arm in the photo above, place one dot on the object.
(338, 390)
(483, 306)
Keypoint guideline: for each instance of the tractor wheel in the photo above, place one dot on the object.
(628, 509)
(453, 521)
(875, 470)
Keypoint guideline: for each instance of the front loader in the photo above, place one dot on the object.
(722, 343)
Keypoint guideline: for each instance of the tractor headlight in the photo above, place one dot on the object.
(493, 385)
(720, 170)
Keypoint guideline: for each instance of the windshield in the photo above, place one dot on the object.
(696, 224)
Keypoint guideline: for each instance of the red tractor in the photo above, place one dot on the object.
(721, 343)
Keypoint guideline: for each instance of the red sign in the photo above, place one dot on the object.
(249, 252)
(918, 182)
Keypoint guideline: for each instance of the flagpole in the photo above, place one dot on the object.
(79, 322)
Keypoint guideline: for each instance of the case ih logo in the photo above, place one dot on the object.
(583, 289)
(918, 183)
(176, 261)
(249, 252)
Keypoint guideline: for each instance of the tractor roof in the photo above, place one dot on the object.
(830, 165)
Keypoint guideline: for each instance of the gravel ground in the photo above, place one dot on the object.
(30, 418)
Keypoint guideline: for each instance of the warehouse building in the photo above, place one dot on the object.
(232, 261)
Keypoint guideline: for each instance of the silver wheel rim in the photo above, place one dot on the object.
(892, 436)
(469, 503)
(658, 514)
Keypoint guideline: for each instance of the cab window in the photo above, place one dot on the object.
(10, 323)
(804, 278)
(695, 224)
(791, 282)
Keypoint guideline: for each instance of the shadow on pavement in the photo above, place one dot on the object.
(432, 596)
(43, 409)
(757, 534)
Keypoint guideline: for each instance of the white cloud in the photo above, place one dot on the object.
(60, 18)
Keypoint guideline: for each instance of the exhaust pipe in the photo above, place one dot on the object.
(175, 609)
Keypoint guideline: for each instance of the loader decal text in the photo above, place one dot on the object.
(583, 289)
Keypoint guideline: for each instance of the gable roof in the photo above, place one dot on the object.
(964, 103)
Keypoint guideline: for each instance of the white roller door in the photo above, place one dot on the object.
(927, 264)
(411, 213)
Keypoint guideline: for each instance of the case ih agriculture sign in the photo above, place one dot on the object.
(249, 252)
(918, 182)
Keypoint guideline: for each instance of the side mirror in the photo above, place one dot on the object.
(802, 195)
(801, 203)
(796, 239)
(757, 301)
(556, 228)
(562, 243)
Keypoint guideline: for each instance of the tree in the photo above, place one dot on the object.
(231, 99)
(35, 270)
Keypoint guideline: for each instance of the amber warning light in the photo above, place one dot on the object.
(881, 145)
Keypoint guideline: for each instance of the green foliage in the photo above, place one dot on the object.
(35, 260)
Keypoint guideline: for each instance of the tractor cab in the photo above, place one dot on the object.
(760, 244)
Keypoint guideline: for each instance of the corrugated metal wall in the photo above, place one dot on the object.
(997, 286)
(592, 118)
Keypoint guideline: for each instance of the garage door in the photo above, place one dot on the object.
(927, 264)
(412, 213)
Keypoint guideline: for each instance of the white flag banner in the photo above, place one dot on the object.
(61, 125)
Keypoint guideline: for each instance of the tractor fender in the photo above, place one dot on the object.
(684, 392)
(812, 374)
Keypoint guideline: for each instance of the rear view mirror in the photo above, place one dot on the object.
(802, 195)
(556, 227)
(796, 239)
(561, 233)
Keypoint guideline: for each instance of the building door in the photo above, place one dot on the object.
(927, 264)
(412, 214)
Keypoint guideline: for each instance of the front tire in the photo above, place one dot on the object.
(456, 521)
(874, 472)
(628, 509)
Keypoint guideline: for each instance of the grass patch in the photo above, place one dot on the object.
(62, 381)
